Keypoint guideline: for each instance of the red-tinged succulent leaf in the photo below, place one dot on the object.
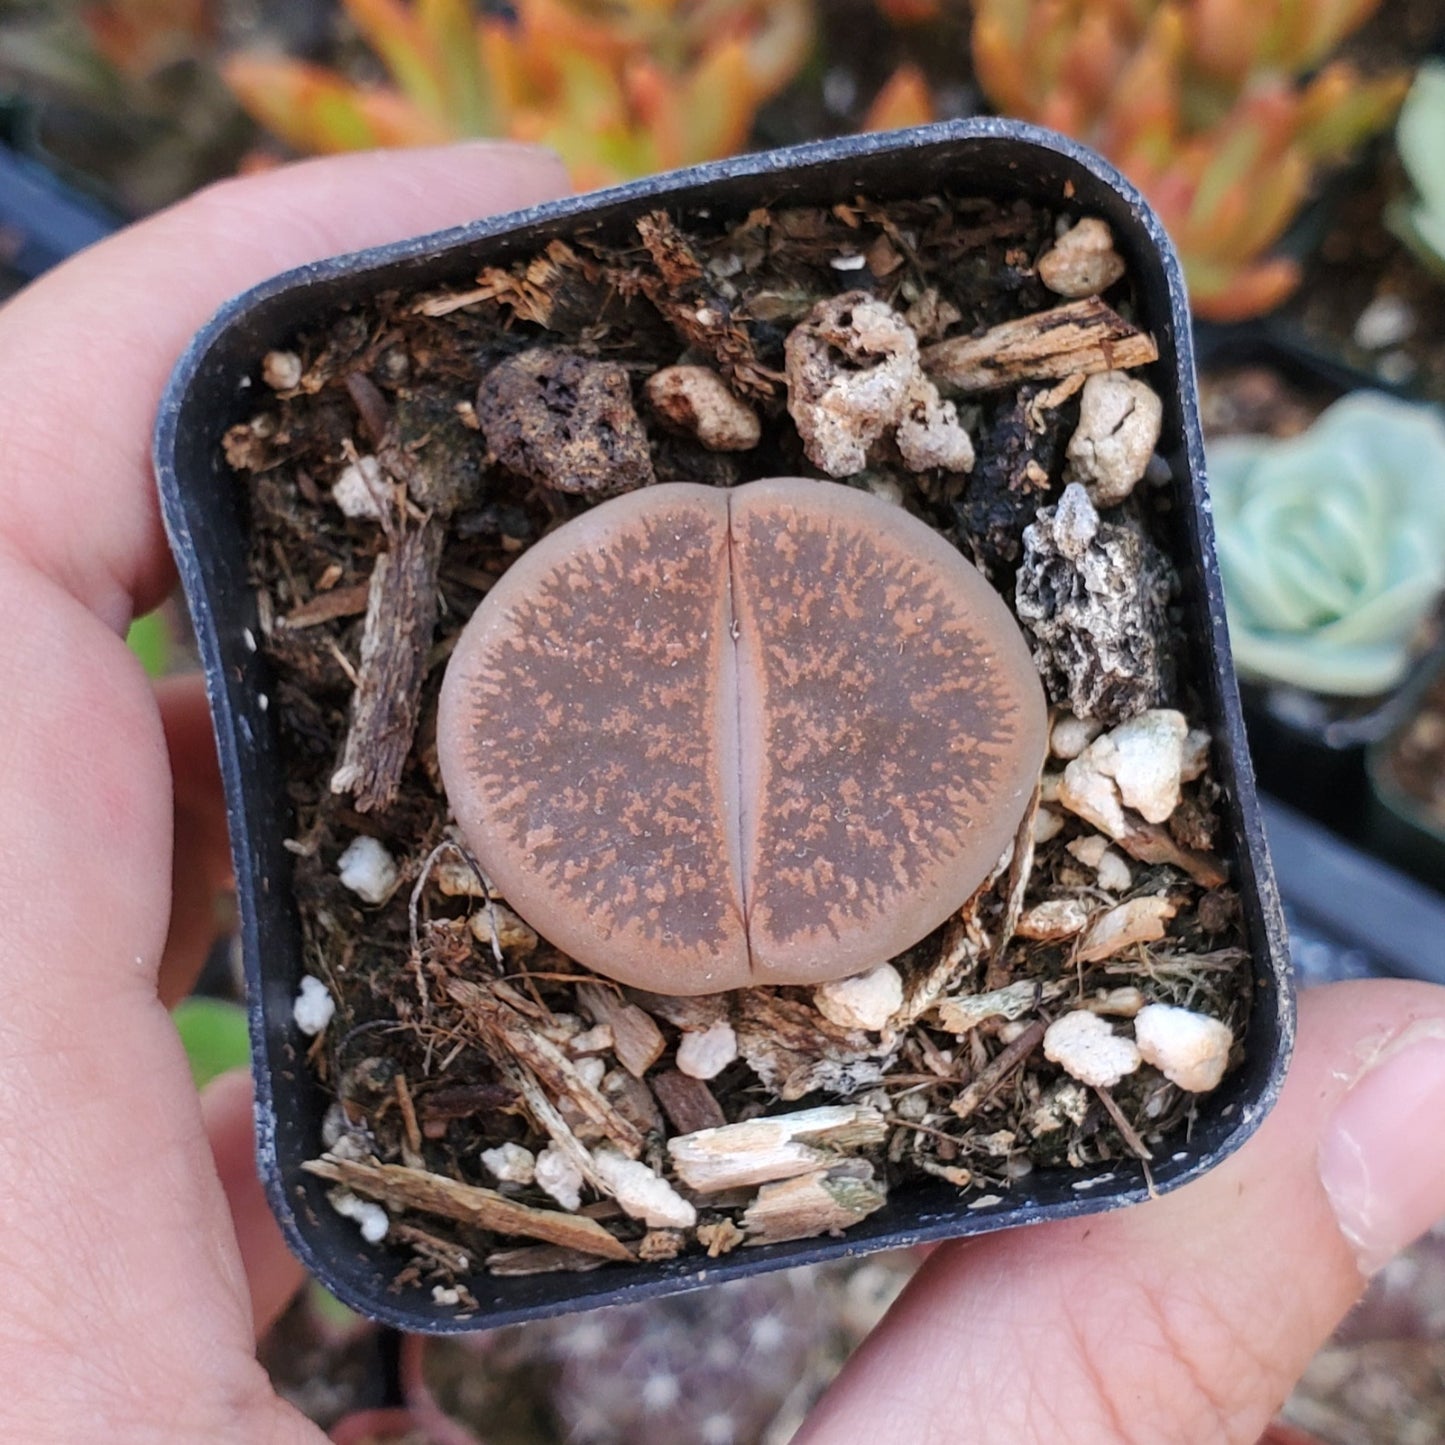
(1001, 68)
(1228, 293)
(1225, 36)
(717, 103)
(779, 43)
(1338, 110)
(904, 100)
(316, 112)
(451, 32)
(394, 31)
(138, 37)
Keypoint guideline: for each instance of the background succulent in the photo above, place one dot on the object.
(1420, 136)
(1332, 544)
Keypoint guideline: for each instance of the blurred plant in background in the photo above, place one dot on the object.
(1420, 136)
(1203, 104)
(1332, 544)
(124, 90)
(618, 89)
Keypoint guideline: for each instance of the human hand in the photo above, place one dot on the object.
(137, 1255)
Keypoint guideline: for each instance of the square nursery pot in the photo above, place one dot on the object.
(1400, 827)
(205, 513)
(1309, 748)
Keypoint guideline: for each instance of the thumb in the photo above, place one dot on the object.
(1187, 1319)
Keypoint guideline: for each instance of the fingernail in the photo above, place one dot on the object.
(1382, 1157)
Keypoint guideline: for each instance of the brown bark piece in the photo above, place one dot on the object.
(825, 1202)
(401, 614)
(327, 607)
(688, 1103)
(636, 1041)
(1079, 338)
(1153, 843)
(398, 1187)
(679, 290)
(503, 1028)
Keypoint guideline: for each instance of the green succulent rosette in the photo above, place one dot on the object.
(1420, 137)
(1332, 544)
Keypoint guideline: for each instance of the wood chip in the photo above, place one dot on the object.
(398, 1187)
(401, 613)
(1077, 339)
(992, 1076)
(327, 607)
(540, 1259)
(636, 1041)
(822, 1202)
(776, 1147)
(1140, 920)
(1153, 843)
(962, 1015)
(688, 1103)
(506, 1030)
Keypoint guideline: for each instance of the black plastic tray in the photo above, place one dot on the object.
(204, 512)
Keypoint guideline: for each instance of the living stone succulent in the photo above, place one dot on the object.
(1332, 544)
(705, 739)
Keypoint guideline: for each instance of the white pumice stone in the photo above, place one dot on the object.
(510, 1163)
(1190, 1049)
(705, 1053)
(1140, 764)
(555, 1174)
(1076, 523)
(643, 1194)
(1071, 735)
(1047, 824)
(865, 1001)
(1115, 875)
(1119, 421)
(1086, 1048)
(367, 869)
(1083, 261)
(1088, 849)
(591, 1070)
(281, 370)
(369, 1217)
(314, 1007)
(357, 489)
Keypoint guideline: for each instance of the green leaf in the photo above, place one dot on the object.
(150, 639)
(215, 1036)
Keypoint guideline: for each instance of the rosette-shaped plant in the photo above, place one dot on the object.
(1332, 544)
(1419, 136)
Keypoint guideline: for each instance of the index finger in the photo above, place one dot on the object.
(85, 351)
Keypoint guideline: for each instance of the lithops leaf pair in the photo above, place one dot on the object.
(705, 738)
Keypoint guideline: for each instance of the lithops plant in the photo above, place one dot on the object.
(1332, 544)
(706, 738)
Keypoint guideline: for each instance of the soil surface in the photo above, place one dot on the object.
(457, 1029)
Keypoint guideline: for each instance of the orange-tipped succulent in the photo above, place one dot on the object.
(622, 90)
(1201, 104)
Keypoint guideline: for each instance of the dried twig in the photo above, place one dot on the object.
(401, 612)
(398, 1187)
(1079, 338)
(990, 1078)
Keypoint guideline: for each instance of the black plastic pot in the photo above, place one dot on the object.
(1398, 826)
(204, 511)
(1309, 748)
